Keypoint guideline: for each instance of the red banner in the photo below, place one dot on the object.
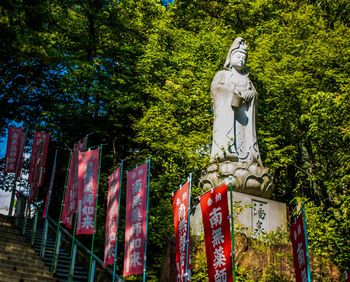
(41, 154)
(49, 191)
(32, 160)
(135, 225)
(88, 167)
(38, 162)
(297, 236)
(347, 276)
(70, 197)
(217, 234)
(13, 149)
(112, 216)
(180, 208)
(20, 155)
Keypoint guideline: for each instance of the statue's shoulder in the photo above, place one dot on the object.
(221, 77)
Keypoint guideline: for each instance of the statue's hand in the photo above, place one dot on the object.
(248, 95)
(236, 98)
(236, 92)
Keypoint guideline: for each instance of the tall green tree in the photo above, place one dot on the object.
(138, 75)
(298, 62)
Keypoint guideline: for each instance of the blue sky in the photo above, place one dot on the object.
(3, 145)
(4, 196)
(165, 2)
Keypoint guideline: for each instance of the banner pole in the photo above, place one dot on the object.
(93, 269)
(147, 206)
(58, 231)
(182, 183)
(35, 223)
(19, 165)
(26, 208)
(95, 219)
(232, 232)
(116, 235)
(52, 179)
(187, 274)
(306, 243)
(72, 252)
(46, 223)
(74, 213)
(14, 187)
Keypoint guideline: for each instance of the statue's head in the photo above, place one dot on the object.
(237, 55)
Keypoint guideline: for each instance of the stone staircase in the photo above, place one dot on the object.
(18, 261)
(80, 270)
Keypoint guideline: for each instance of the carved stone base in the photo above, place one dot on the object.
(252, 179)
(254, 215)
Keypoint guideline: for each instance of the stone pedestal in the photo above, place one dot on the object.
(248, 178)
(255, 214)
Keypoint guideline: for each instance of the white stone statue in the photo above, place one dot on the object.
(234, 96)
(235, 151)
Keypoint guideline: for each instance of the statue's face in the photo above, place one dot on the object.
(238, 60)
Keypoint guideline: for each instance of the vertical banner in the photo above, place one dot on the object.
(347, 276)
(20, 155)
(32, 159)
(49, 191)
(13, 149)
(73, 179)
(88, 165)
(135, 225)
(298, 238)
(217, 236)
(38, 162)
(181, 209)
(70, 197)
(114, 188)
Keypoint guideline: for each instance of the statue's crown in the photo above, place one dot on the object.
(240, 47)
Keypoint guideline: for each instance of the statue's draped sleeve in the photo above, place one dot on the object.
(221, 84)
(220, 78)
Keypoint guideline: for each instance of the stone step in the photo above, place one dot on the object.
(18, 241)
(25, 255)
(77, 275)
(4, 218)
(48, 248)
(5, 224)
(81, 274)
(77, 271)
(37, 270)
(14, 240)
(49, 241)
(16, 248)
(15, 276)
(62, 259)
(13, 230)
(49, 251)
(64, 265)
(16, 253)
(38, 233)
(15, 261)
(63, 262)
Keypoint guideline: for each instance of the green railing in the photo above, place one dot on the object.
(64, 234)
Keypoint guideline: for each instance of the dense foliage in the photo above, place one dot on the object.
(137, 75)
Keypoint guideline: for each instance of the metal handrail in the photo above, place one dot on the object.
(81, 245)
(38, 208)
